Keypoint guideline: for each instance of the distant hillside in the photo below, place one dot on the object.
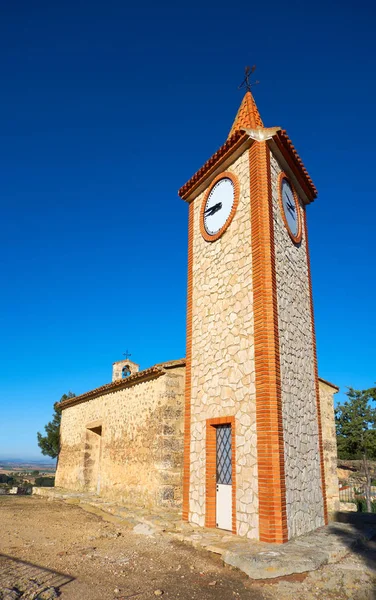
(27, 465)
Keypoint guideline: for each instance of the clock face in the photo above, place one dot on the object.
(290, 208)
(218, 206)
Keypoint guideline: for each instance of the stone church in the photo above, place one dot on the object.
(239, 434)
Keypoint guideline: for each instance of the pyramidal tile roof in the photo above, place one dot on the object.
(248, 116)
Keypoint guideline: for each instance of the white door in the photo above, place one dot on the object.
(224, 478)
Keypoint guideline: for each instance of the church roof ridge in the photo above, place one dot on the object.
(178, 362)
(146, 374)
(150, 373)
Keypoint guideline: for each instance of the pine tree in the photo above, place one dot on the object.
(49, 444)
(356, 431)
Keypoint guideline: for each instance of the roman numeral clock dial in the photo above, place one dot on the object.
(219, 206)
(290, 209)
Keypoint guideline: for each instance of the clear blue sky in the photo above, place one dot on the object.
(106, 109)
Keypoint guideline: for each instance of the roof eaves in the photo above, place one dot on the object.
(332, 385)
(145, 375)
(172, 364)
(233, 142)
(291, 155)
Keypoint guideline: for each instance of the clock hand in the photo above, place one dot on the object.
(290, 208)
(209, 212)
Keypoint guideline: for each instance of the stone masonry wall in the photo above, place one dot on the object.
(299, 413)
(329, 445)
(140, 450)
(223, 371)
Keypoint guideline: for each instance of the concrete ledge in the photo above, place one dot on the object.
(258, 560)
(326, 545)
(276, 563)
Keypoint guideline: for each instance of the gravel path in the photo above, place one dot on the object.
(47, 548)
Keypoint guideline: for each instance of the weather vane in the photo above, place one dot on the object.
(246, 83)
(127, 355)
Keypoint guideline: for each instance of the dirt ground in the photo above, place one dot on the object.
(68, 551)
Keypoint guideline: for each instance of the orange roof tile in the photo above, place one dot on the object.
(227, 148)
(150, 373)
(146, 374)
(297, 162)
(248, 116)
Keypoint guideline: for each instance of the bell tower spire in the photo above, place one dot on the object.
(253, 451)
(248, 116)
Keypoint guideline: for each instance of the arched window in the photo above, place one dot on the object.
(125, 372)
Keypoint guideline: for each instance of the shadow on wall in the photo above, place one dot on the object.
(22, 579)
(92, 455)
(365, 549)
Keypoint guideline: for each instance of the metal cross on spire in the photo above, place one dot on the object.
(127, 354)
(246, 83)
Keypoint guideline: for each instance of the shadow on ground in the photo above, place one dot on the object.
(22, 579)
(364, 548)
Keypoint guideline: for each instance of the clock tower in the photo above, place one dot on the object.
(253, 455)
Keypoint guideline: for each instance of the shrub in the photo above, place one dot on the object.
(6, 479)
(361, 505)
(45, 481)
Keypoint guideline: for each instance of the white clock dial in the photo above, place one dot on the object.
(290, 207)
(219, 205)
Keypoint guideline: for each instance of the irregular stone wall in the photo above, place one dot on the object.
(223, 372)
(299, 412)
(329, 444)
(140, 431)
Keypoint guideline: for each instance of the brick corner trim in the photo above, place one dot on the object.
(270, 448)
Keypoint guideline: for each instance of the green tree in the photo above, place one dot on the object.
(6, 479)
(356, 431)
(45, 481)
(50, 443)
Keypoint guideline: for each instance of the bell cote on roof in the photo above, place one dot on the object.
(124, 368)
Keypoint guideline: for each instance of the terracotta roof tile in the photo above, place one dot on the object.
(329, 384)
(282, 136)
(248, 116)
(170, 364)
(237, 138)
(150, 373)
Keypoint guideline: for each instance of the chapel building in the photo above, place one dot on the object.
(241, 432)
